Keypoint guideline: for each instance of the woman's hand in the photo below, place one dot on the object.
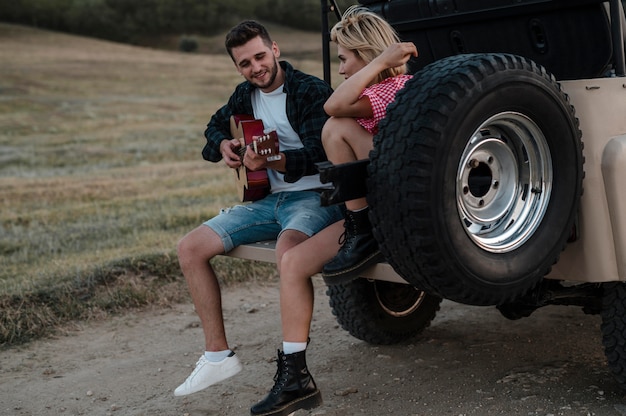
(396, 54)
(346, 100)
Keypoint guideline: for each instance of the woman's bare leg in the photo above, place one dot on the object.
(346, 141)
(296, 289)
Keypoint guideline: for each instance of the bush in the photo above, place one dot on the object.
(188, 44)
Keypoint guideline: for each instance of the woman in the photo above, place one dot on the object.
(373, 62)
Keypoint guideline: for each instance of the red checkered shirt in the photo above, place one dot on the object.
(380, 96)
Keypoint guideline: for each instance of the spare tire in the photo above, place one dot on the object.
(475, 177)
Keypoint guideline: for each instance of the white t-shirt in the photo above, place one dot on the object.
(271, 108)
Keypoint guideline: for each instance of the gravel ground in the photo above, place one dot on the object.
(470, 361)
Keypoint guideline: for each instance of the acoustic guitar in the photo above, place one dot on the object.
(253, 185)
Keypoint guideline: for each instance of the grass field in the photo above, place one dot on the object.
(101, 172)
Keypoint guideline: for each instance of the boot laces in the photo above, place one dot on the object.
(349, 232)
(281, 376)
(343, 237)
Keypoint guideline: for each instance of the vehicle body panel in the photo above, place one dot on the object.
(599, 254)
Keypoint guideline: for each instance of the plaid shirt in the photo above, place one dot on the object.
(381, 95)
(306, 96)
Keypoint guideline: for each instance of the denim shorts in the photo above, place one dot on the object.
(267, 218)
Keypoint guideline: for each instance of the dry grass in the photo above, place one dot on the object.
(101, 172)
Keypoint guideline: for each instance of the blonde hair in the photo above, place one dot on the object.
(367, 35)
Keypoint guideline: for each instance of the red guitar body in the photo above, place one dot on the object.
(253, 185)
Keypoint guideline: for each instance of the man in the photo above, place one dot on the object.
(292, 102)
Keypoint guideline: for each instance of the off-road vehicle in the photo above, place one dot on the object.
(498, 176)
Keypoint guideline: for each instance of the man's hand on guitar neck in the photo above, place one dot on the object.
(254, 161)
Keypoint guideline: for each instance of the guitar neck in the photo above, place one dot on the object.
(267, 150)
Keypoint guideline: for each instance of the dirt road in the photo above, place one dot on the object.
(471, 361)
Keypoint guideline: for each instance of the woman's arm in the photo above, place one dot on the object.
(346, 101)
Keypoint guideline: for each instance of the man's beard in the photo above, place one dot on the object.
(273, 73)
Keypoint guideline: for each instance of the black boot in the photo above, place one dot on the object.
(294, 388)
(359, 250)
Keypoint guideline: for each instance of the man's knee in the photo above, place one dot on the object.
(200, 244)
(184, 246)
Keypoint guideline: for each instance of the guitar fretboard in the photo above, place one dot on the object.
(262, 151)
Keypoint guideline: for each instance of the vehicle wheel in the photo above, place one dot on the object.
(614, 329)
(484, 156)
(381, 312)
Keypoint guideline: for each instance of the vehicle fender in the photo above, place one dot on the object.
(614, 175)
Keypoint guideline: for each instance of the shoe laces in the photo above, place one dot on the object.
(199, 365)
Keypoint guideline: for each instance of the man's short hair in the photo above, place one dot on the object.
(244, 32)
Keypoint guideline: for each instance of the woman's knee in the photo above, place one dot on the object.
(341, 129)
(293, 267)
(288, 263)
(329, 131)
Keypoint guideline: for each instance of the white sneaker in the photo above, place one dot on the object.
(207, 373)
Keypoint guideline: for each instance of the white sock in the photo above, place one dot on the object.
(360, 209)
(216, 356)
(291, 347)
